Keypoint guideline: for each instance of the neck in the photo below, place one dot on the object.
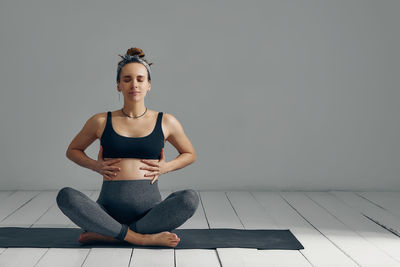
(134, 109)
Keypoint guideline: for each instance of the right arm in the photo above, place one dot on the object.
(76, 149)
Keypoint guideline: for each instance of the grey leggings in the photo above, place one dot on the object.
(136, 204)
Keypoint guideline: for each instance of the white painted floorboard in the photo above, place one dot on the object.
(336, 228)
(352, 244)
(389, 201)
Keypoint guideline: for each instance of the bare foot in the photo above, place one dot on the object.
(91, 237)
(162, 239)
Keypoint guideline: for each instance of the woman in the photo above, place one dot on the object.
(131, 159)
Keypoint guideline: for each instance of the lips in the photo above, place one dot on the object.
(135, 93)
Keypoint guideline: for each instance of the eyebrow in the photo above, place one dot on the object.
(130, 76)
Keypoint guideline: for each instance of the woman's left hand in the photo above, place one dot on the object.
(157, 168)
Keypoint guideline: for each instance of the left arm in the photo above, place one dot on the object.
(181, 142)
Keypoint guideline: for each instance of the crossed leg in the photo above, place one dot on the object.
(169, 214)
(88, 214)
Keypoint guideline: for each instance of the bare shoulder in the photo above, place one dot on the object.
(89, 133)
(96, 123)
(99, 122)
(172, 125)
(169, 118)
(99, 116)
(177, 136)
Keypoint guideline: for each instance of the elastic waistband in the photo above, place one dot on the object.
(130, 181)
(141, 183)
(131, 186)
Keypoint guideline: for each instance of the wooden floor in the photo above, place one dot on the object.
(336, 228)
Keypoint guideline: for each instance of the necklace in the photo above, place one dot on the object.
(134, 117)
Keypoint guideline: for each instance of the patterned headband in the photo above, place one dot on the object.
(129, 58)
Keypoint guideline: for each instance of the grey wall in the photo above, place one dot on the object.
(274, 95)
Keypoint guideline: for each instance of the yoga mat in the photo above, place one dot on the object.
(190, 239)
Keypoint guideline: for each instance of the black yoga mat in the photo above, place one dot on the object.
(190, 239)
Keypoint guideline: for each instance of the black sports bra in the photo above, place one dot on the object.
(118, 146)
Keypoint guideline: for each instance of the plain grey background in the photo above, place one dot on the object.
(274, 95)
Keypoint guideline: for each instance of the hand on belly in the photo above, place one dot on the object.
(130, 169)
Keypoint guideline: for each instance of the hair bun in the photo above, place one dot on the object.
(135, 51)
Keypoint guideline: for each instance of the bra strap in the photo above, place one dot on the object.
(159, 118)
(108, 122)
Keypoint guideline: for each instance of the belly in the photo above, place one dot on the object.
(130, 169)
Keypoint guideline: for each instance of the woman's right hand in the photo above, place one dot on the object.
(105, 167)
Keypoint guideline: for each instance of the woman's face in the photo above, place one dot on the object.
(133, 78)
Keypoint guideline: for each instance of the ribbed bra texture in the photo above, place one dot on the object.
(118, 146)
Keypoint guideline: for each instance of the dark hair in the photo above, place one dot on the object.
(135, 51)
